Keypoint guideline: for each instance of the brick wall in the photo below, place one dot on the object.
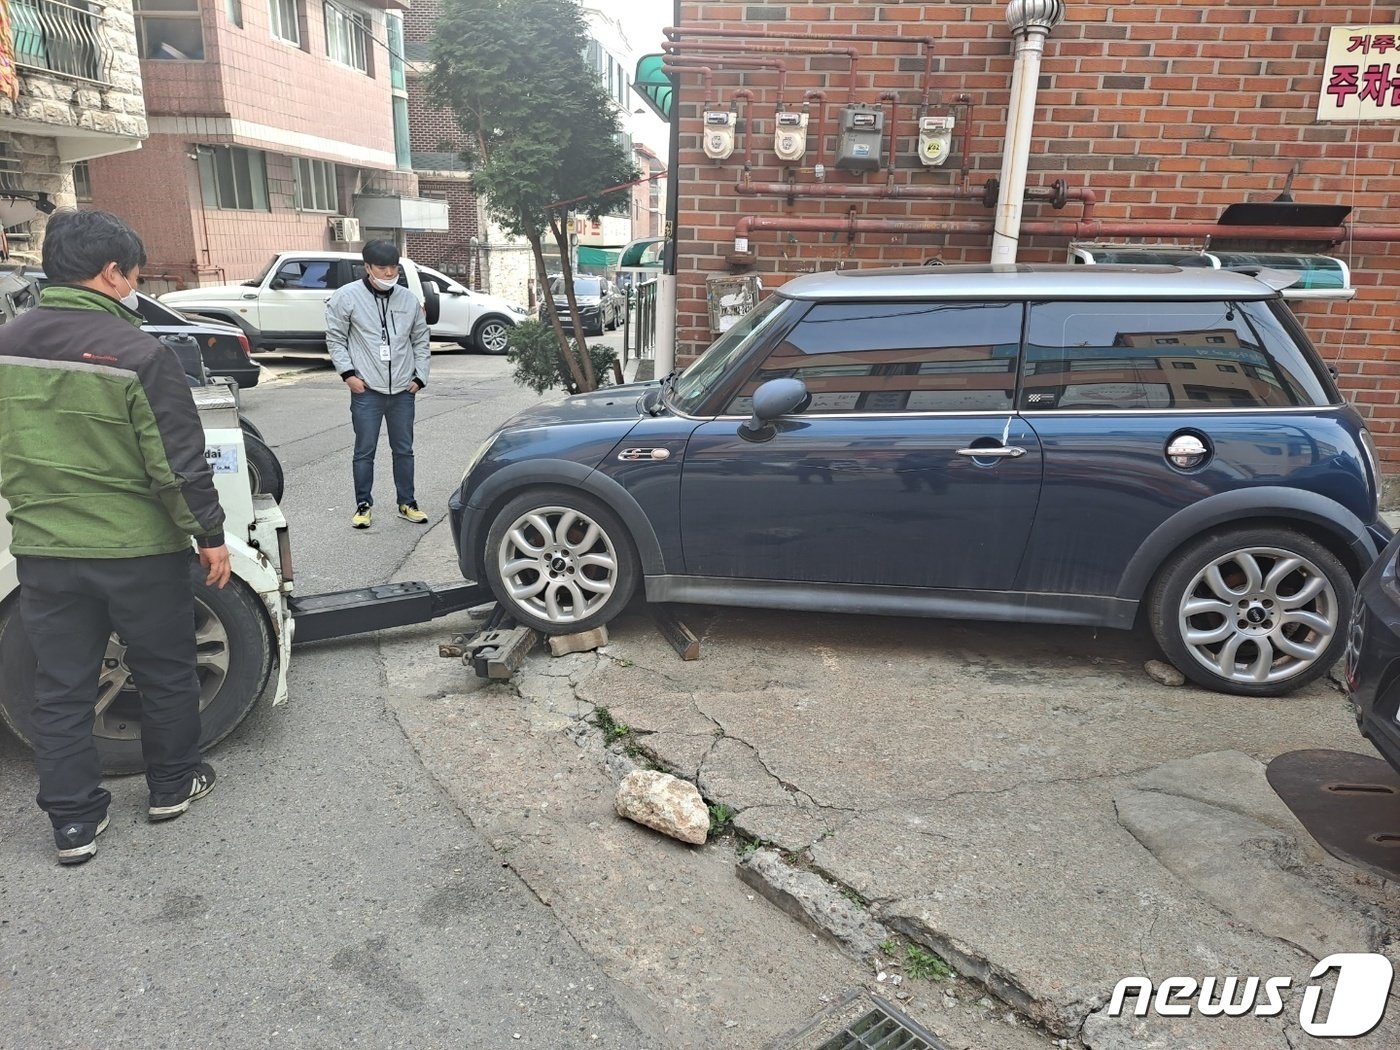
(1169, 111)
(451, 252)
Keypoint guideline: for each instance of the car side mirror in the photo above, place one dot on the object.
(277, 284)
(775, 398)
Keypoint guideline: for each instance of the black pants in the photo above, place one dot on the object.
(70, 607)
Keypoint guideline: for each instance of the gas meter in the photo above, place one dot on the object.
(861, 135)
(719, 133)
(790, 136)
(935, 140)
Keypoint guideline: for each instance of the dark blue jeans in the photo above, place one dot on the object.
(367, 410)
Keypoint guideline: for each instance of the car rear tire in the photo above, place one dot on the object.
(234, 660)
(560, 561)
(264, 468)
(1252, 611)
(249, 427)
(492, 336)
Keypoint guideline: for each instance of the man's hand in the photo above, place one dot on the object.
(356, 385)
(414, 386)
(215, 559)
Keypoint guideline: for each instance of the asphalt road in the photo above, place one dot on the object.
(327, 893)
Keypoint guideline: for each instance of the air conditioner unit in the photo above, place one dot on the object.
(345, 229)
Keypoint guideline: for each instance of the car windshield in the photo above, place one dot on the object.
(262, 274)
(709, 369)
(582, 286)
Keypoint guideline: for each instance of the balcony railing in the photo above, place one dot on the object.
(63, 38)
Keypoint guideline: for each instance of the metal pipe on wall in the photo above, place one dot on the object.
(1031, 22)
(726, 60)
(1071, 228)
(709, 49)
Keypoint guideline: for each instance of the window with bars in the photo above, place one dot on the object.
(315, 185)
(82, 182)
(233, 177)
(169, 29)
(347, 37)
(286, 20)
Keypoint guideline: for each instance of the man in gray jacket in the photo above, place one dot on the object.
(378, 339)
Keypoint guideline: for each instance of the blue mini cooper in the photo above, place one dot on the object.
(1069, 445)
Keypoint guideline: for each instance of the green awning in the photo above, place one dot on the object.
(643, 253)
(654, 85)
(603, 258)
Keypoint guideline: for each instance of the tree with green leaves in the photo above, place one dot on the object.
(542, 131)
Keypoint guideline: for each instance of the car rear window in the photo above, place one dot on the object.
(1164, 355)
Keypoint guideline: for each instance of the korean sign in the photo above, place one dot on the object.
(1361, 77)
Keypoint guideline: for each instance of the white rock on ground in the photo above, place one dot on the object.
(664, 803)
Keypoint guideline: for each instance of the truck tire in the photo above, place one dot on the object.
(235, 659)
(249, 427)
(264, 468)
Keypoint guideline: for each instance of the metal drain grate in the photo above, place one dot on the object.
(861, 1022)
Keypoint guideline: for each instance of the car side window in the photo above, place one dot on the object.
(1150, 355)
(307, 274)
(898, 357)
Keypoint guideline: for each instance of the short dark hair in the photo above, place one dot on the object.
(78, 245)
(380, 253)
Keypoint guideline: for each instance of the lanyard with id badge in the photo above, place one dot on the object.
(382, 301)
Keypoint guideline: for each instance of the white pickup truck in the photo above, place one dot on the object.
(284, 307)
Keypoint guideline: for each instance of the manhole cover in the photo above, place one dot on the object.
(1349, 803)
(861, 1021)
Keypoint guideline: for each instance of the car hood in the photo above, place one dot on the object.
(619, 404)
(207, 294)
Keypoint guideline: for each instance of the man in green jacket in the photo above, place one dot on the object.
(102, 463)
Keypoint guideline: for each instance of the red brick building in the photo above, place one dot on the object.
(1165, 112)
(267, 121)
(437, 144)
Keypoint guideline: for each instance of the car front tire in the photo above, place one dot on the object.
(492, 336)
(1253, 611)
(560, 561)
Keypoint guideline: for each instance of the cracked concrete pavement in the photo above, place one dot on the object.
(1023, 801)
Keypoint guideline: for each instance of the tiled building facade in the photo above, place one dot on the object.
(268, 119)
(1168, 112)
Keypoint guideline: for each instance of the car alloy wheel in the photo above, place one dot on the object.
(560, 561)
(492, 337)
(1258, 612)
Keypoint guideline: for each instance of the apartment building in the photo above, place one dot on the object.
(70, 91)
(274, 125)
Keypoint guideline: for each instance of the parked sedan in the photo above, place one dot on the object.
(1372, 669)
(601, 304)
(1071, 445)
(224, 347)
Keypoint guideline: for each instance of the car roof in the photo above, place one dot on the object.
(1021, 281)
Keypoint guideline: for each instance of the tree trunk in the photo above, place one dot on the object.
(566, 358)
(567, 276)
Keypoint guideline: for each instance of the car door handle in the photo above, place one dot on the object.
(1003, 452)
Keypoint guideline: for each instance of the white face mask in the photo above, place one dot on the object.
(382, 284)
(129, 300)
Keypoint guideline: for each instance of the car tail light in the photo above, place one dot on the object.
(247, 350)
